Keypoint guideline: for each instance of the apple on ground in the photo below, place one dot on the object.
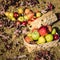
(24, 23)
(20, 10)
(17, 23)
(21, 19)
(38, 14)
(30, 15)
(41, 40)
(10, 15)
(27, 11)
(15, 14)
(29, 21)
(49, 37)
(13, 19)
(26, 17)
(35, 35)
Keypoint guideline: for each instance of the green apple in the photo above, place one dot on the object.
(13, 19)
(26, 17)
(53, 31)
(20, 10)
(38, 14)
(35, 35)
(41, 40)
(10, 15)
(49, 37)
(21, 18)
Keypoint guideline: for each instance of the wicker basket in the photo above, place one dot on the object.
(48, 19)
(34, 47)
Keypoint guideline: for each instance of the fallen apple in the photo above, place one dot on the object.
(20, 10)
(21, 19)
(15, 14)
(38, 14)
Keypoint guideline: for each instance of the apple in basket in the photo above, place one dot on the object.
(42, 35)
(49, 37)
(43, 30)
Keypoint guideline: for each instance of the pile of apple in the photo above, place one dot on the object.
(23, 16)
(42, 35)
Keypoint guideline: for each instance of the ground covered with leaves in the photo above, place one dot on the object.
(11, 44)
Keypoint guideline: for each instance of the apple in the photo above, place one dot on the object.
(17, 23)
(13, 19)
(27, 11)
(28, 39)
(53, 31)
(49, 37)
(38, 14)
(30, 15)
(34, 18)
(56, 36)
(24, 23)
(21, 19)
(20, 10)
(29, 34)
(41, 40)
(15, 14)
(10, 15)
(26, 17)
(29, 21)
(35, 35)
(43, 31)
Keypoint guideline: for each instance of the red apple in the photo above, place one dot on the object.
(27, 11)
(33, 19)
(18, 23)
(43, 31)
(29, 21)
(56, 36)
(24, 23)
(15, 14)
(30, 15)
